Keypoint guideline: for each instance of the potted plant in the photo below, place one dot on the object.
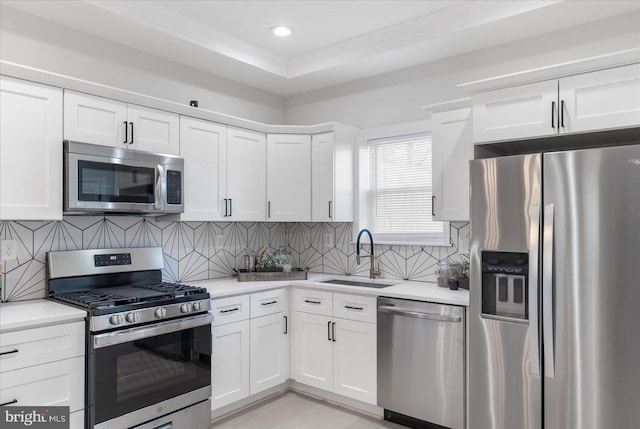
(460, 273)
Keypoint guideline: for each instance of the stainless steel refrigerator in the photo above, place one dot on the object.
(554, 328)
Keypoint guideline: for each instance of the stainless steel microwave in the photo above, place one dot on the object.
(103, 179)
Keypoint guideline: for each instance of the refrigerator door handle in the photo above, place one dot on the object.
(534, 251)
(547, 293)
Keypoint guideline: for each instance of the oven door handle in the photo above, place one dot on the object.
(128, 335)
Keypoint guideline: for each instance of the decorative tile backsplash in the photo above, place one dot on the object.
(209, 250)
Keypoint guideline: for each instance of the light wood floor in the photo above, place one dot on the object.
(294, 411)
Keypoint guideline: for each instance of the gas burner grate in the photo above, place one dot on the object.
(176, 289)
(96, 298)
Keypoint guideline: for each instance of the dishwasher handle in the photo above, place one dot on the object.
(418, 314)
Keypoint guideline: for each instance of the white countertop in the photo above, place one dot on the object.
(42, 312)
(421, 291)
(36, 312)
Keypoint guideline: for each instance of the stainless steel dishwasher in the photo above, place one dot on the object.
(421, 363)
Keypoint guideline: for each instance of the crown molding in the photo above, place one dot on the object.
(555, 71)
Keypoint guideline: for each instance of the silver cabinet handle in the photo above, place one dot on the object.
(547, 293)
(534, 250)
(159, 191)
(418, 314)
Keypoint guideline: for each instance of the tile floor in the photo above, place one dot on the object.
(295, 411)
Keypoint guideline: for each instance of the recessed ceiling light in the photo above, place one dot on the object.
(281, 30)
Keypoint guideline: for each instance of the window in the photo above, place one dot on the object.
(395, 189)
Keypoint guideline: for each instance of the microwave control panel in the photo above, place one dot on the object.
(174, 187)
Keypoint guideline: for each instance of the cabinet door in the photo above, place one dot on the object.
(203, 145)
(313, 350)
(154, 130)
(600, 100)
(97, 120)
(31, 347)
(30, 151)
(246, 175)
(59, 383)
(269, 351)
(452, 149)
(514, 113)
(230, 363)
(322, 177)
(355, 360)
(288, 178)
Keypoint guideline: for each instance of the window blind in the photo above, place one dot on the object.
(395, 189)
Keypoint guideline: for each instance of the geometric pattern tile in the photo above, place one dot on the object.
(208, 250)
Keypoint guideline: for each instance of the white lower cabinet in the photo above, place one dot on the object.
(250, 345)
(332, 353)
(44, 367)
(230, 363)
(269, 352)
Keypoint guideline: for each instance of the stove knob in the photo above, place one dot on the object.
(185, 308)
(196, 306)
(160, 312)
(116, 319)
(132, 317)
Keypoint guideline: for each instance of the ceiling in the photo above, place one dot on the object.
(333, 41)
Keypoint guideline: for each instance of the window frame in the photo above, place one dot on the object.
(386, 132)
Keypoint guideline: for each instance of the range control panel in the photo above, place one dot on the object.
(114, 259)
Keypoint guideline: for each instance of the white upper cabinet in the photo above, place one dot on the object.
(452, 147)
(333, 176)
(288, 178)
(204, 149)
(154, 130)
(600, 100)
(595, 101)
(516, 113)
(30, 151)
(246, 175)
(98, 120)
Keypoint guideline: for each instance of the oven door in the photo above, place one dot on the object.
(139, 374)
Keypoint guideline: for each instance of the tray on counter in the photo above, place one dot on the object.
(263, 276)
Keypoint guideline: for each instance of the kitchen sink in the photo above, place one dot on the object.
(357, 283)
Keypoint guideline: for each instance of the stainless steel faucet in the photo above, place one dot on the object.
(373, 273)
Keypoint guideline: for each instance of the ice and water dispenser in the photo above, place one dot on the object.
(505, 284)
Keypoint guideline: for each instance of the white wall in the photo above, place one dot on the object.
(398, 96)
(38, 43)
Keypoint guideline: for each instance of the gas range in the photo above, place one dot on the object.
(123, 288)
(148, 342)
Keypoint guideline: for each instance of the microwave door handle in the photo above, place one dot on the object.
(159, 188)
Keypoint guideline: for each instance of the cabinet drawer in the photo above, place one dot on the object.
(41, 345)
(354, 307)
(58, 383)
(269, 302)
(313, 301)
(229, 310)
